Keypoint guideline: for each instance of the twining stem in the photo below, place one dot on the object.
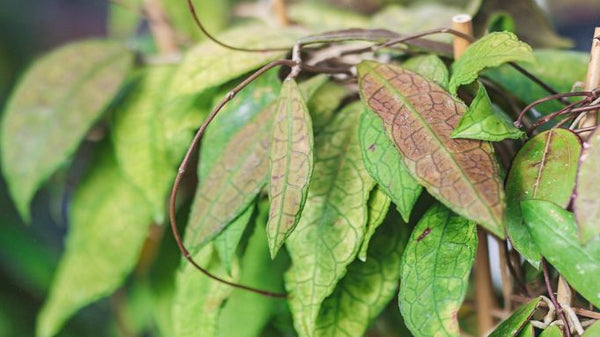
(553, 299)
(579, 311)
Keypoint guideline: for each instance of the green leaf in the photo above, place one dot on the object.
(214, 16)
(491, 50)
(385, 165)
(324, 102)
(109, 224)
(587, 202)
(527, 331)
(208, 64)
(290, 164)
(52, 109)
(429, 66)
(123, 18)
(378, 206)
(233, 182)
(435, 272)
(555, 233)
(367, 287)
(198, 299)
(558, 68)
(419, 117)
(140, 146)
(322, 17)
(512, 325)
(544, 168)
(226, 243)
(592, 331)
(485, 121)
(332, 226)
(245, 314)
(554, 331)
(309, 87)
(499, 22)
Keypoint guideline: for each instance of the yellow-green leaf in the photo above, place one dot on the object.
(435, 272)
(108, 226)
(419, 117)
(332, 226)
(555, 233)
(290, 164)
(491, 50)
(527, 331)
(587, 202)
(52, 108)
(554, 331)
(484, 121)
(430, 67)
(592, 331)
(379, 203)
(367, 287)
(139, 141)
(226, 242)
(511, 326)
(544, 168)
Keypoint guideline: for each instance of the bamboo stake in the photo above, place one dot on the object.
(281, 12)
(484, 293)
(164, 36)
(462, 23)
(592, 81)
(507, 284)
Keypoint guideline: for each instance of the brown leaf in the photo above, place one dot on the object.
(420, 116)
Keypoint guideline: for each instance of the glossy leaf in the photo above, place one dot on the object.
(491, 50)
(367, 287)
(290, 164)
(484, 121)
(435, 272)
(554, 331)
(378, 206)
(511, 326)
(555, 233)
(245, 314)
(592, 331)
(544, 168)
(587, 202)
(332, 226)
(559, 68)
(140, 146)
(233, 182)
(419, 116)
(109, 224)
(52, 109)
(429, 66)
(527, 331)
(198, 299)
(208, 64)
(385, 165)
(226, 243)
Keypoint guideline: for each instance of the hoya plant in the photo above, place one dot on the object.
(315, 171)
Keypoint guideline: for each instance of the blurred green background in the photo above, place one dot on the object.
(29, 253)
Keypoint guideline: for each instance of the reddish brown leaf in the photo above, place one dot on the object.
(420, 116)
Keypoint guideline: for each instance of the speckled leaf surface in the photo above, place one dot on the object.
(378, 206)
(419, 116)
(109, 224)
(554, 331)
(367, 287)
(491, 50)
(139, 142)
(435, 272)
(511, 326)
(290, 164)
(226, 242)
(484, 121)
(233, 182)
(587, 202)
(332, 226)
(385, 165)
(555, 233)
(198, 300)
(53, 107)
(559, 68)
(430, 67)
(592, 331)
(544, 168)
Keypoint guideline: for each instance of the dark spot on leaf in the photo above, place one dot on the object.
(424, 234)
(372, 147)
